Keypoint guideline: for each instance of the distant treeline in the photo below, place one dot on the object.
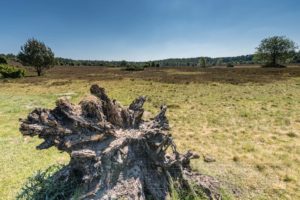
(238, 60)
(247, 59)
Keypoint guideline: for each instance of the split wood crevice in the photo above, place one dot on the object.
(114, 152)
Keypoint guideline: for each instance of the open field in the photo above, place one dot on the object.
(248, 119)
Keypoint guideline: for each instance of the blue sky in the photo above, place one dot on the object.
(146, 29)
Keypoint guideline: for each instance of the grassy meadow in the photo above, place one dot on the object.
(248, 119)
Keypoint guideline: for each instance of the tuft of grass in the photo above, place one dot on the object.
(292, 134)
(235, 158)
(287, 178)
(43, 185)
(185, 194)
(225, 195)
(260, 167)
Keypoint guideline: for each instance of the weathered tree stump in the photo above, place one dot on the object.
(114, 152)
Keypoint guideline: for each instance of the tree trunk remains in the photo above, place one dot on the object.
(114, 152)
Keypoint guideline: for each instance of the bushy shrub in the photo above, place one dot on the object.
(229, 65)
(3, 60)
(11, 72)
(134, 68)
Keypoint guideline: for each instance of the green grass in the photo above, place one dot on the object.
(251, 129)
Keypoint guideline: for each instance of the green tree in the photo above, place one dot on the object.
(297, 57)
(123, 63)
(275, 51)
(152, 64)
(36, 54)
(202, 62)
(219, 62)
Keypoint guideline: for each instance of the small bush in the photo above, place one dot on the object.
(11, 72)
(134, 68)
(229, 65)
(3, 60)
